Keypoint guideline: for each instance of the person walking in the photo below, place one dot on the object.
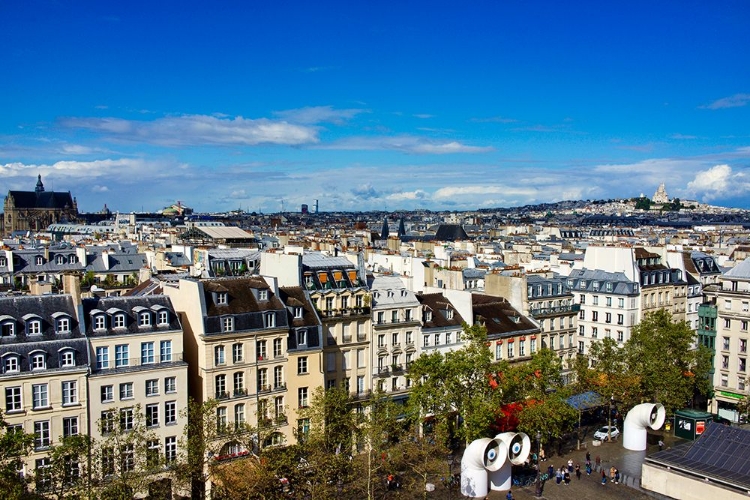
(604, 478)
(612, 473)
(559, 475)
(542, 455)
(578, 471)
(588, 468)
(617, 475)
(509, 496)
(551, 471)
(588, 456)
(566, 478)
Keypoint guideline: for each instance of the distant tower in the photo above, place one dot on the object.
(384, 233)
(660, 196)
(316, 206)
(304, 208)
(39, 185)
(401, 228)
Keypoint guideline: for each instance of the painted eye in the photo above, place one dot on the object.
(516, 448)
(491, 455)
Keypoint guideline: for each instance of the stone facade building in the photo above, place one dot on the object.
(35, 210)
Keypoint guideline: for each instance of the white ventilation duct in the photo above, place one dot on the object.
(519, 447)
(481, 456)
(637, 420)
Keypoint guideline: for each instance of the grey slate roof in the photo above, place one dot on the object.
(130, 306)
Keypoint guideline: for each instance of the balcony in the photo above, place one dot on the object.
(137, 363)
(222, 395)
(360, 395)
(264, 388)
(281, 386)
(397, 368)
(543, 312)
(343, 313)
(238, 393)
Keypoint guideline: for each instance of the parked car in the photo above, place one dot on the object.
(605, 432)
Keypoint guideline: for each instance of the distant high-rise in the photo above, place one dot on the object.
(316, 206)
(304, 208)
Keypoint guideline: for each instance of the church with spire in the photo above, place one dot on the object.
(36, 210)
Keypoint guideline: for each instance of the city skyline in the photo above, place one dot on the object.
(371, 107)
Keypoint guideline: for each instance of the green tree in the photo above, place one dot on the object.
(457, 384)
(667, 368)
(14, 446)
(68, 475)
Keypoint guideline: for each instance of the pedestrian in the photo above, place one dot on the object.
(604, 478)
(612, 473)
(617, 475)
(570, 465)
(588, 468)
(588, 456)
(558, 476)
(661, 445)
(551, 471)
(509, 496)
(578, 471)
(566, 478)
(598, 461)
(542, 455)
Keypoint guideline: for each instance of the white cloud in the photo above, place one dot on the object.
(406, 144)
(195, 130)
(682, 136)
(408, 195)
(733, 101)
(99, 189)
(719, 181)
(423, 116)
(318, 114)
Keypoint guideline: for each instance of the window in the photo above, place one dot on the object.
(381, 340)
(409, 339)
(163, 318)
(170, 412)
(278, 377)
(107, 394)
(108, 461)
(152, 452)
(119, 320)
(302, 397)
(152, 415)
(511, 350)
(220, 384)
(582, 314)
(727, 323)
(532, 346)
(725, 362)
(34, 327)
(581, 347)
(594, 332)
(609, 301)
(107, 422)
(152, 387)
(100, 322)
(69, 393)
(620, 336)
(260, 346)
(147, 352)
(8, 329)
(301, 337)
(144, 319)
(221, 298)
(582, 299)
(67, 358)
(263, 380)
(724, 380)
(743, 325)
(10, 364)
(448, 338)
(40, 396)
(42, 437)
(725, 346)
(594, 316)
(522, 347)
(608, 317)
(238, 383)
(437, 339)
(426, 341)
(742, 365)
(221, 419)
(581, 330)
(13, 399)
(727, 305)
(127, 457)
(126, 390)
(743, 345)
(596, 300)
(70, 426)
(122, 355)
(239, 416)
(237, 353)
(170, 385)
(302, 365)
(298, 312)
(102, 357)
(262, 294)
(621, 303)
(277, 353)
(269, 320)
(562, 341)
(38, 361)
(63, 325)
(126, 419)
(219, 355)
(278, 404)
(620, 319)
(165, 351)
(227, 324)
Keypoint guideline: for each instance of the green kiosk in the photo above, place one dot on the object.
(689, 424)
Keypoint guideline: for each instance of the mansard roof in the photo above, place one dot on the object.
(438, 304)
(44, 199)
(499, 317)
(44, 307)
(131, 307)
(295, 296)
(240, 296)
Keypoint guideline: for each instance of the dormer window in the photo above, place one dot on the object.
(163, 318)
(59, 260)
(38, 361)
(3, 261)
(72, 259)
(262, 294)
(221, 298)
(301, 337)
(8, 327)
(582, 284)
(11, 364)
(227, 324)
(39, 260)
(428, 315)
(34, 327)
(269, 320)
(100, 322)
(609, 286)
(118, 320)
(62, 325)
(67, 358)
(144, 319)
(298, 312)
(449, 313)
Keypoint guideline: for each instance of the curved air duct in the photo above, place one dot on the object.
(637, 420)
(481, 456)
(519, 447)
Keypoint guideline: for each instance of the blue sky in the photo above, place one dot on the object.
(374, 105)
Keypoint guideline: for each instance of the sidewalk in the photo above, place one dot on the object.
(590, 487)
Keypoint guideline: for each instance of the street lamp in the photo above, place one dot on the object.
(450, 476)
(538, 492)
